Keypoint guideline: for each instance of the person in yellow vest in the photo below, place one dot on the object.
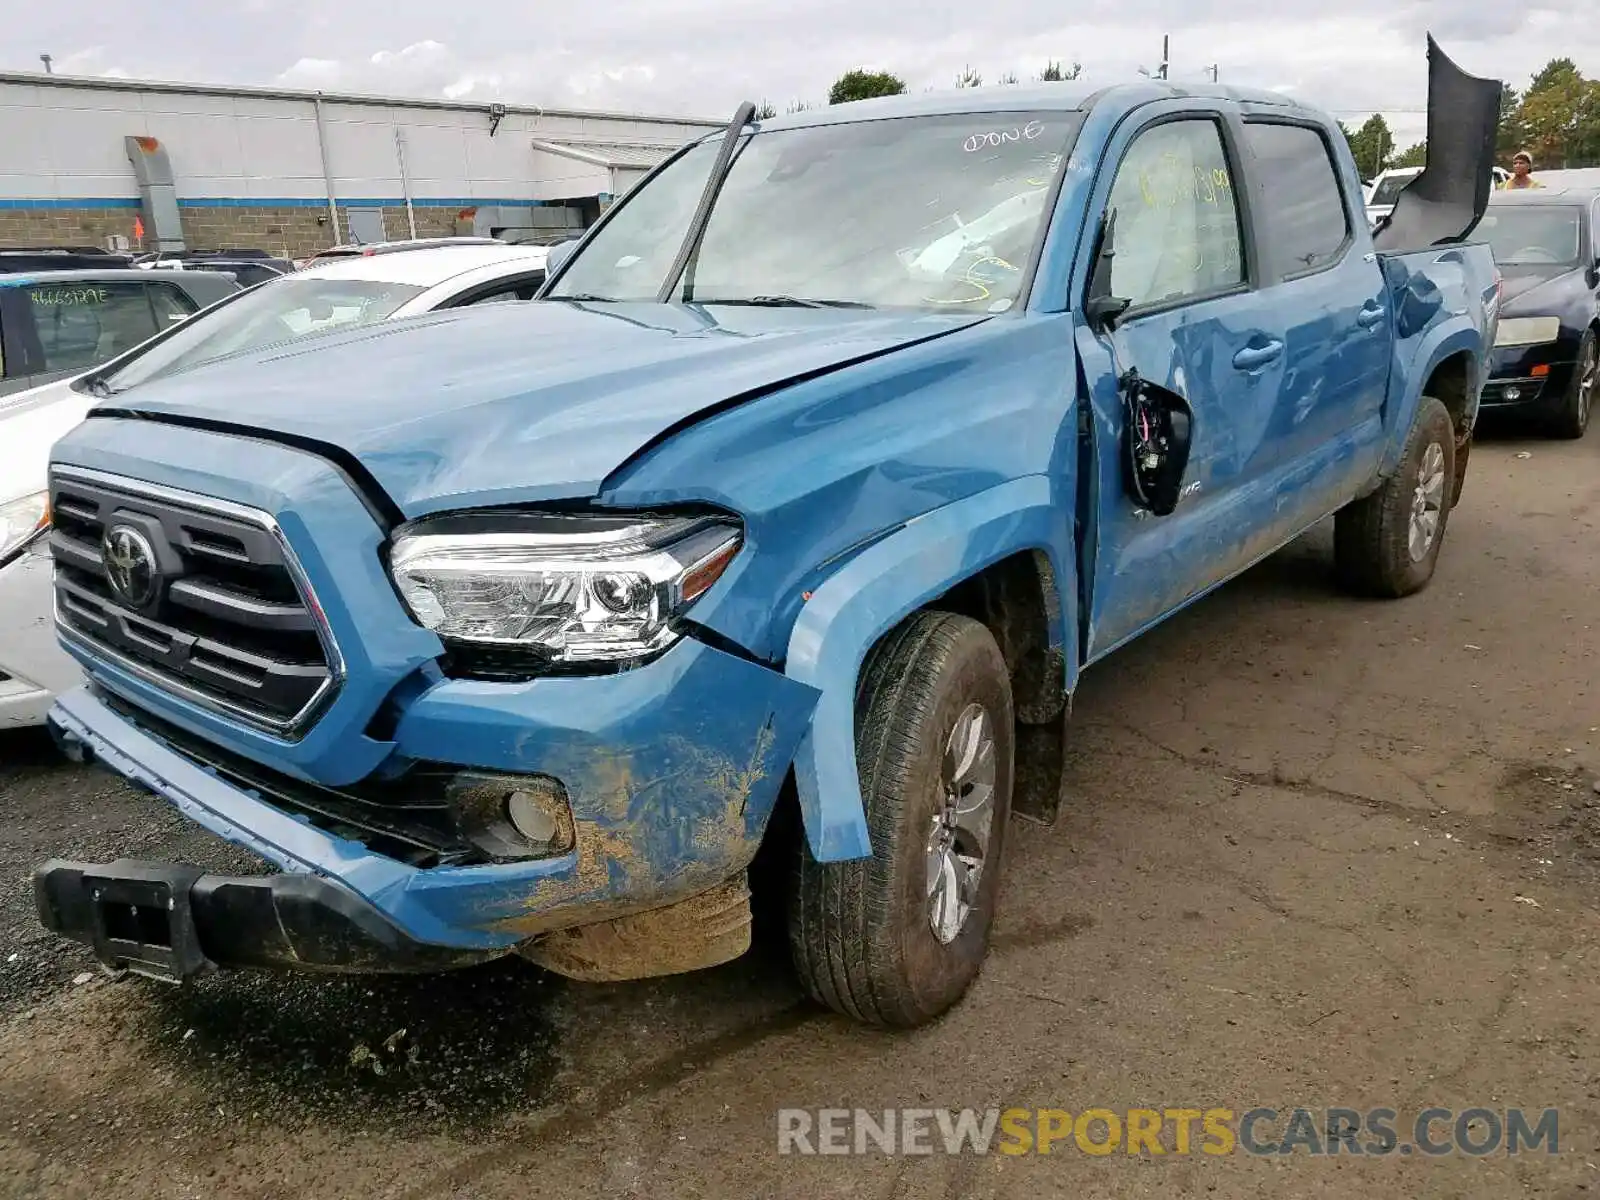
(1521, 173)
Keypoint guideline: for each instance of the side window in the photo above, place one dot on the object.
(1303, 215)
(81, 325)
(171, 304)
(1177, 230)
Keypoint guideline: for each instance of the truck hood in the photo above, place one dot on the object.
(511, 403)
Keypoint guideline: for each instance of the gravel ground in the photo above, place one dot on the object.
(1314, 851)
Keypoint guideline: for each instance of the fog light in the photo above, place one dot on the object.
(1513, 394)
(531, 819)
(513, 816)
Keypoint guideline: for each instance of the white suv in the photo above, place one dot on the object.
(341, 293)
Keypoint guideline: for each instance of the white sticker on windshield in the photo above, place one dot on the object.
(1000, 306)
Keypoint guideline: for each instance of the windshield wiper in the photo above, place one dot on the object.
(708, 197)
(788, 302)
(585, 298)
(98, 388)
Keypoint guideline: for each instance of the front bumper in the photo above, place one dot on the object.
(671, 771)
(1528, 377)
(33, 668)
(172, 922)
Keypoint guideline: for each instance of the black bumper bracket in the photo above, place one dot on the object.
(171, 921)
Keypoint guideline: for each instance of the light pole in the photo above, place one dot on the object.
(45, 59)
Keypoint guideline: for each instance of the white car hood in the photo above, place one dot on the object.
(31, 423)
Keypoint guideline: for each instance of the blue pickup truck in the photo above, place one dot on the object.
(822, 467)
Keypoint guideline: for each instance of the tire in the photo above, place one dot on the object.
(1373, 545)
(1570, 419)
(861, 933)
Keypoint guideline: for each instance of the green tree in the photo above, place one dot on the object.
(1007, 79)
(1416, 156)
(765, 111)
(863, 85)
(1054, 72)
(1511, 136)
(969, 79)
(1558, 119)
(1372, 145)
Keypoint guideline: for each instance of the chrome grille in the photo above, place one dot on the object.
(228, 620)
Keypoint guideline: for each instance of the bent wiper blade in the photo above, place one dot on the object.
(708, 197)
(788, 302)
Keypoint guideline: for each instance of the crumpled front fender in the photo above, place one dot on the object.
(873, 592)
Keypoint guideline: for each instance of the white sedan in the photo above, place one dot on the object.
(339, 294)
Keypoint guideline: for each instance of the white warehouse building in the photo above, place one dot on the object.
(211, 167)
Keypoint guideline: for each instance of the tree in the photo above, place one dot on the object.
(1560, 116)
(862, 84)
(1054, 72)
(765, 111)
(1511, 136)
(969, 79)
(798, 106)
(1416, 156)
(1007, 79)
(1372, 145)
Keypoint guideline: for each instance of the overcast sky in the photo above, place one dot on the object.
(700, 57)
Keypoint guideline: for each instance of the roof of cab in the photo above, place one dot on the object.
(424, 266)
(218, 281)
(1572, 197)
(1045, 97)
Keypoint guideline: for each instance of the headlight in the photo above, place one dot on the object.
(568, 589)
(20, 520)
(1527, 331)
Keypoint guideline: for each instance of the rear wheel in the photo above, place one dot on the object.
(1571, 417)
(896, 939)
(1387, 544)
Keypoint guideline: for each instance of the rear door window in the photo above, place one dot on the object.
(171, 304)
(1303, 219)
(80, 325)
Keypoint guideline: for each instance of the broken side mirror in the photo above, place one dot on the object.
(1100, 307)
(1156, 434)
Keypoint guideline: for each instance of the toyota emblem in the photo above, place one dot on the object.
(130, 564)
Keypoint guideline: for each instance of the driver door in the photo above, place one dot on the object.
(1197, 327)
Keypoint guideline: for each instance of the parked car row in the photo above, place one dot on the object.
(98, 333)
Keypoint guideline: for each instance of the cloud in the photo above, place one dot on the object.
(700, 57)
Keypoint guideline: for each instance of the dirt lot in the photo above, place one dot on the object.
(1315, 852)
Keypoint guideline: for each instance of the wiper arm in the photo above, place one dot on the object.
(98, 388)
(585, 298)
(788, 302)
(708, 197)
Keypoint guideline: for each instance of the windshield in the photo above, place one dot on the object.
(278, 311)
(921, 212)
(1532, 236)
(1390, 187)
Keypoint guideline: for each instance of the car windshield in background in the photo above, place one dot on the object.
(1535, 236)
(922, 212)
(280, 311)
(1390, 187)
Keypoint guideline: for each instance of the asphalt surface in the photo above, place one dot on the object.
(1314, 852)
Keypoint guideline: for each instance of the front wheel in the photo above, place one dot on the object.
(1387, 544)
(1571, 416)
(896, 939)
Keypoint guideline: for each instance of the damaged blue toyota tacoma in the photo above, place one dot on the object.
(822, 467)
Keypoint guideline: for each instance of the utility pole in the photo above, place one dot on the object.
(1166, 56)
(45, 59)
(1214, 72)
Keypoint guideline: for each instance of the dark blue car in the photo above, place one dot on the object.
(1546, 243)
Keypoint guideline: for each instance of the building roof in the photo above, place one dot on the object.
(606, 154)
(40, 79)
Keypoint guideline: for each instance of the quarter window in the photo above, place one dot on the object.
(1177, 233)
(1302, 202)
(82, 324)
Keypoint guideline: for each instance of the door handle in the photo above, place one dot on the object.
(1371, 315)
(1252, 357)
